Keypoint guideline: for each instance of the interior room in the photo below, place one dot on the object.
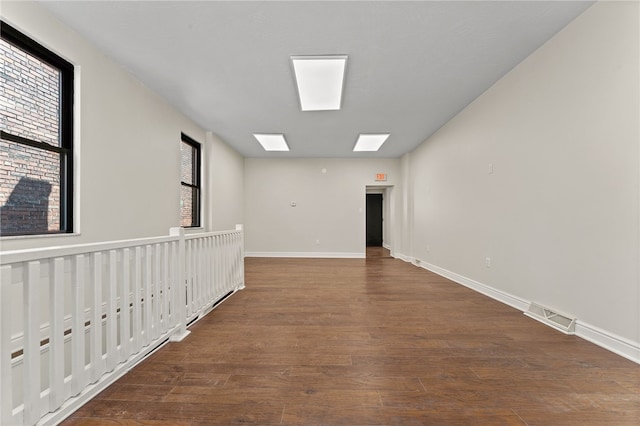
(487, 153)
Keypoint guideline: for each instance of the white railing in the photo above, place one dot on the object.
(74, 319)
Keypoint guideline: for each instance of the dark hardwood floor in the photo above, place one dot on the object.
(375, 341)
(377, 252)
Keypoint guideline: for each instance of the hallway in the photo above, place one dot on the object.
(375, 341)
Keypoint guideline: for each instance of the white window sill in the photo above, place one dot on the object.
(30, 237)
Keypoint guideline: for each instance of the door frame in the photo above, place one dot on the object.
(388, 216)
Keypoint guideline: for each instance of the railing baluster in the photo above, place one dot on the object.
(146, 325)
(146, 298)
(179, 300)
(210, 279)
(125, 302)
(225, 267)
(137, 306)
(96, 320)
(78, 375)
(231, 259)
(188, 277)
(200, 260)
(175, 286)
(216, 265)
(194, 277)
(221, 281)
(204, 265)
(157, 286)
(31, 364)
(111, 311)
(234, 260)
(217, 261)
(228, 260)
(165, 288)
(56, 334)
(193, 259)
(237, 260)
(6, 384)
(199, 264)
(206, 273)
(212, 267)
(241, 254)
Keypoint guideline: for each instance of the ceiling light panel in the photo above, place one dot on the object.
(370, 142)
(272, 142)
(320, 80)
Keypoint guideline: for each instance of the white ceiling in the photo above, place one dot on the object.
(226, 64)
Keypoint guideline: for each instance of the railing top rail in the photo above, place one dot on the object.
(15, 256)
(211, 234)
(26, 255)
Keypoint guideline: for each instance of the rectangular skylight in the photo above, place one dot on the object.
(319, 80)
(371, 142)
(272, 142)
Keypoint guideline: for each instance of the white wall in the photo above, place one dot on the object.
(225, 185)
(559, 214)
(127, 146)
(329, 217)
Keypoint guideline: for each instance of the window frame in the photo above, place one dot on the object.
(196, 171)
(65, 150)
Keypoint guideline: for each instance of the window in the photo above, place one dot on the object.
(36, 137)
(190, 188)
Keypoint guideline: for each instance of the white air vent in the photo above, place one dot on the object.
(561, 322)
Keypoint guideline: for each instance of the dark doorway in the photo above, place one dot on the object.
(374, 220)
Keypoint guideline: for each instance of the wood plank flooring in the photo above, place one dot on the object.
(375, 341)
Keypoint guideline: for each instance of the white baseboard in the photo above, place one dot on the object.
(404, 257)
(616, 344)
(603, 338)
(499, 295)
(313, 254)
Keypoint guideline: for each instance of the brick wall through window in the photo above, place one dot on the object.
(29, 177)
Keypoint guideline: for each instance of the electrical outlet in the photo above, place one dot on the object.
(487, 262)
(317, 242)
